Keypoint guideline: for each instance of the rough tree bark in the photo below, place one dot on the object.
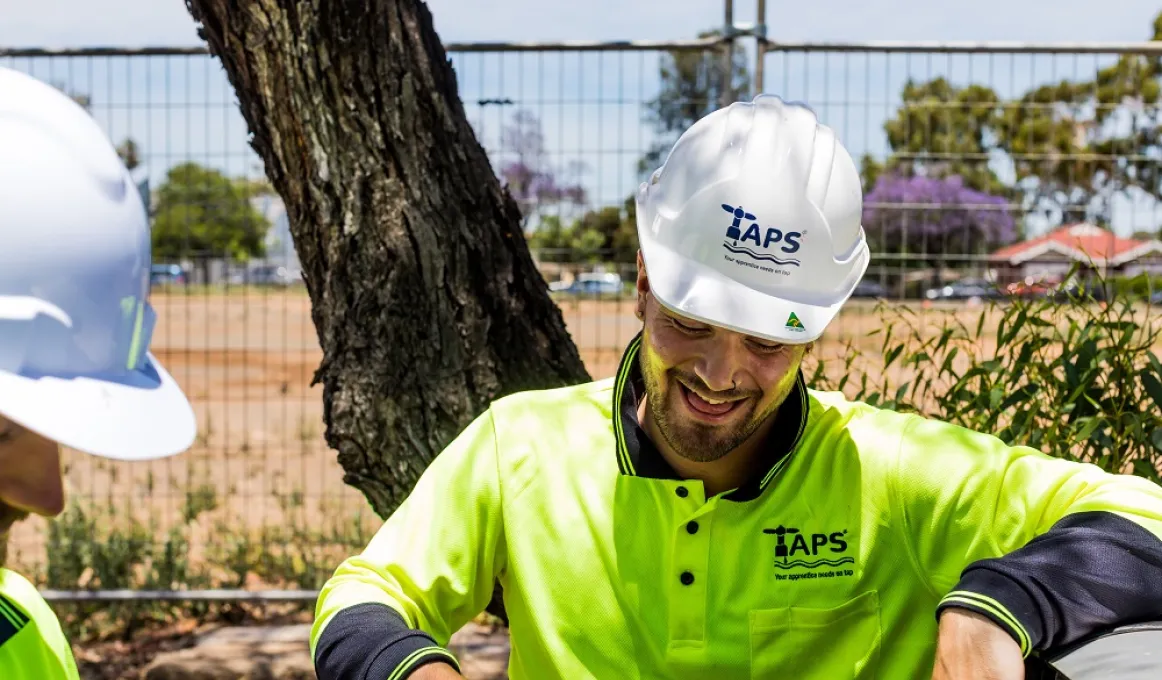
(423, 293)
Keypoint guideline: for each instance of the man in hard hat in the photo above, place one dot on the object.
(75, 325)
(705, 514)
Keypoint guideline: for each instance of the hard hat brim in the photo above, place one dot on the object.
(143, 415)
(699, 292)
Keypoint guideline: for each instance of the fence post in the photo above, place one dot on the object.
(760, 46)
(726, 93)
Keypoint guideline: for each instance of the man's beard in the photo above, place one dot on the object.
(695, 441)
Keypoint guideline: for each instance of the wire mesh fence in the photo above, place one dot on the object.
(988, 171)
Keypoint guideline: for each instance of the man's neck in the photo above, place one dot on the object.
(729, 472)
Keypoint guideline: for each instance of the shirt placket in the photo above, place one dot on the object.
(689, 572)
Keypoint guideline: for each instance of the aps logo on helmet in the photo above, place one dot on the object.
(761, 240)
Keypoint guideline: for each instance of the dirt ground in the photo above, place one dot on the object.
(246, 361)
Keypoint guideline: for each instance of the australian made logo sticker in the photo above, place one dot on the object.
(794, 324)
(762, 248)
(799, 555)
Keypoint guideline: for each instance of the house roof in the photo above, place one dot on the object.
(1082, 243)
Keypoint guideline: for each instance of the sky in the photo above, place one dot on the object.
(589, 104)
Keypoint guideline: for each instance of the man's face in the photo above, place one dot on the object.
(30, 478)
(708, 389)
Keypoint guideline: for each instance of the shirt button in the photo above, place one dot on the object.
(682, 492)
(687, 578)
(692, 527)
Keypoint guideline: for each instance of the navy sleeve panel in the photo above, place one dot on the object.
(1090, 571)
(372, 642)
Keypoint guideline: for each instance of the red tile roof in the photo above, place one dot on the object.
(1077, 241)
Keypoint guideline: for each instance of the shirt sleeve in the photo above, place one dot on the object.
(32, 646)
(428, 570)
(1049, 549)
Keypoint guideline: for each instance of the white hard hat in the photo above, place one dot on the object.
(753, 222)
(75, 321)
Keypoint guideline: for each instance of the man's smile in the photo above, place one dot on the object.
(710, 409)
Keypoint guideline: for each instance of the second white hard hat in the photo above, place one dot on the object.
(75, 320)
(753, 223)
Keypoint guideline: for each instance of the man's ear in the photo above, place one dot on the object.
(643, 287)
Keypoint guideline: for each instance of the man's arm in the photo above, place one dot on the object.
(427, 571)
(972, 647)
(1048, 549)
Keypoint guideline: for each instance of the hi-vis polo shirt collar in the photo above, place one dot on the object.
(637, 455)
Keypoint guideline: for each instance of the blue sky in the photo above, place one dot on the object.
(590, 104)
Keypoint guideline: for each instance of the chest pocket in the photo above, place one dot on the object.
(837, 643)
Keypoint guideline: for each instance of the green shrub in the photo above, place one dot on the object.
(1075, 378)
(98, 545)
(1141, 286)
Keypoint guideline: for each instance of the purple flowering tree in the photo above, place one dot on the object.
(928, 216)
(529, 175)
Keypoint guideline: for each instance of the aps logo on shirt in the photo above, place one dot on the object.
(795, 549)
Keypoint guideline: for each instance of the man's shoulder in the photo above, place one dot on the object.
(31, 639)
(917, 437)
(20, 594)
(556, 402)
(19, 603)
(882, 434)
(836, 410)
(560, 424)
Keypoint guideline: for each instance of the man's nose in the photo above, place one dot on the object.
(718, 368)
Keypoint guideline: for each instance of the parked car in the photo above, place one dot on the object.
(1033, 289)
(964, 289)
(592, 283)
(868, 288)
(266, 275)
(166, 274)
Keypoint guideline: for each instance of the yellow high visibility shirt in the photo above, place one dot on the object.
(32, 645)
(831, 565)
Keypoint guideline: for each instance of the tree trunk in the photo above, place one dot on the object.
(424, 295)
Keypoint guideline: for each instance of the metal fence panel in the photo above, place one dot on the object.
(259, 502)
(1054, 148)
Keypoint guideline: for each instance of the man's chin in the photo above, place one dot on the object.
(701, 443)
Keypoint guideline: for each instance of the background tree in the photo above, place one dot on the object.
(127, 149)
(937, 222)
(692, 82)
(529, 175)
(938, 216)
(1125, 132)
(1073, 146)
(203, 214)
(1039, 132)
(424, 296)
(129, 153)
(605, 234)
(941, 130)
